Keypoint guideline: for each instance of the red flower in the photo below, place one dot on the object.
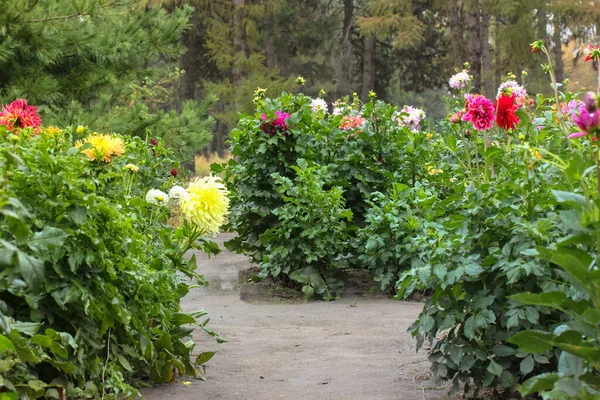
(153, 142)
(505, 112)
(594, 53)
(20, 115)
(174, 172)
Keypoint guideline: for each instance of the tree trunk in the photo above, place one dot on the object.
(270, 48)
(486, 69)
(474, 31)
(559, 68)
(239, 50)
(497, 55)
(344, 69)
(368, 81)
(193, 40)
(456, 31)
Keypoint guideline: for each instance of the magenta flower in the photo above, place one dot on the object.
(586, 121)
(278, 124)
(479, 112)
(279, 121)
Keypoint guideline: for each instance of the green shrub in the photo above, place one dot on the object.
(92, 274)
(311, 235)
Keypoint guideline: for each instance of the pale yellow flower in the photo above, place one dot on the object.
(206, 204)
(80, 130)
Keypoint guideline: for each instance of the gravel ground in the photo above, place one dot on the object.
(279, 347)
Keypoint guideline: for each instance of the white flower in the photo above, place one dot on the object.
(318, 104)
(513, 87)
(412, 120)
(158, 197)
(177, 192)
(460, 80)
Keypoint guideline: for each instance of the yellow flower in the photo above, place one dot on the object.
(132, 167)
(104, 147)
(429, 136)
(52, 131)
(536, 154)
(206, 204)
(80, 130)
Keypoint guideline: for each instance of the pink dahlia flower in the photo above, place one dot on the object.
(586, 121)
(479, 112)
(20, 115)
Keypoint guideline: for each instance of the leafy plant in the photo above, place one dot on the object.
(312, 234)
(92, 274)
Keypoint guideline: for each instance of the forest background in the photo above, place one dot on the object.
(184, 69)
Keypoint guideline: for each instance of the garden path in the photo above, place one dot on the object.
(279, 348)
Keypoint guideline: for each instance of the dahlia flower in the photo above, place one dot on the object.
(351, 122)
(20, 115)
(318, 104)
(104, 147)
(158, 197)
(479, 112)
(460, 80)
(277, 124)
(206, 204)
(587, 122)
(511, 87)
(412, 120)
(505, 112)
(177, 192)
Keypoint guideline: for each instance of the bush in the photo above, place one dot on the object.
(311, 235)
(92, 274)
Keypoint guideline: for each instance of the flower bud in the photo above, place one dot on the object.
(80, 130)
(591, 102)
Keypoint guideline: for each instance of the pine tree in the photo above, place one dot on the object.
(81, 62)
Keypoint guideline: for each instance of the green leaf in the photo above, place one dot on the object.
(503, 350)
(36, 384)
(41, 340)
(495, 368)
(9, 396)
(574, 261)
(183, 319)
(539, 383)
(5, 344)
(526, 365)
(47, 239)
(123, 361)
(27, 328)
(570, 365)
(533, 341)
(204, 357)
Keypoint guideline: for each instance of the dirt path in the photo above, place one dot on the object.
(354, 348)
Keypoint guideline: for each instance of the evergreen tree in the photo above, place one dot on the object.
(82, 61)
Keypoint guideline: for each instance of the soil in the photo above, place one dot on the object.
(278, 346)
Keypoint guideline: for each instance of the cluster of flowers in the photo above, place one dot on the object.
(482, 113)
(204, 203)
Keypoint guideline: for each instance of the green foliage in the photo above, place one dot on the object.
(363, 150)
(578, 372)
(92, 274)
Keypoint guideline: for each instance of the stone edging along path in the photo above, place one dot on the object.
(280, 348)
